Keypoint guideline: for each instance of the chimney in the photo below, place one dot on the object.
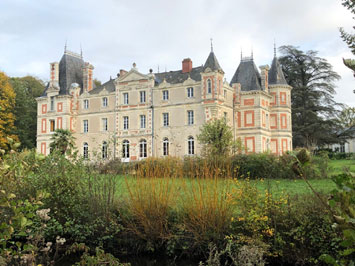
(54, 68)
(264, 77)
(88, 77)
(122, 72)
(186, 65)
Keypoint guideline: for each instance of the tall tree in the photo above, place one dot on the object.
(26, 89)
(7, 117)
(313, 106)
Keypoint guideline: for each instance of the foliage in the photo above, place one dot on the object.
(63, 141)
(26, 89)
(216, 137)
(347, 117)
(348, 38)
(100, 258)
(313, 106)
(7, 116)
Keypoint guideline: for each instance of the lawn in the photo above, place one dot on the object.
(337, 166)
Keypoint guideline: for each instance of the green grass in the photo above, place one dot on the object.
(337, 166)
(276, 187)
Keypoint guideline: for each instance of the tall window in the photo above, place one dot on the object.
(125, 122)
(86, 104)
(143, 148)
(142, 96)
(165, 95)
(125, 98)
(104, 124)
(104, 102)
(165, 119)
(125, 149)
(104, 150)
(52, 103)
(190, 117)
(86, 126)
(166, 146)
(191, 145)
(209, 86)
(142, 121)
(52, 125)
(190, 92)
(85, 150)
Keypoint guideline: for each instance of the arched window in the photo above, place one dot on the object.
(166, 146)
(86, 150)
(209, 86)
(104, 150)
(143, 148)
(125, 149)
(191, 145)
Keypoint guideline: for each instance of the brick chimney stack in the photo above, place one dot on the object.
(186, 65)
(88, 77)
(54, 68)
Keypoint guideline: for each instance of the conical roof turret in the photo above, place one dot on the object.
(276, 75)
(212, 63)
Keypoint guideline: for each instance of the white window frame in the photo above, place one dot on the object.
(104, 102)
(104, 124)
(143, 121)
(190, 145)
(125, 98)
(165, 95)
(125, 149)
(142, 96)
(190, 117)
(209, 86)
(190, 92)
(86, 150)
(125, 123)
(85, 126)
(142, 148)
(165, 147)
(86, 104)
(165, 119)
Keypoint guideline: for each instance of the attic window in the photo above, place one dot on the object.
(104, 102)
(209, 86)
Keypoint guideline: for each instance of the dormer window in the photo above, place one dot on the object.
(125, 98)
(86, 104)
(52, 103)
(209, 86)
(104, 102)
(165, 95)
(190, 92)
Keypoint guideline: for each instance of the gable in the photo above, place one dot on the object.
(132, 75)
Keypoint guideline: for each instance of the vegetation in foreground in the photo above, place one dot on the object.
(53, 208)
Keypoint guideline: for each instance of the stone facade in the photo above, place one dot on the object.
(136, 115)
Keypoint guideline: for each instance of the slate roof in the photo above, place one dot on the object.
(212, 63)
(70, 71)
(109, 86)
(247, 75)
(174, 77)
(276, 76)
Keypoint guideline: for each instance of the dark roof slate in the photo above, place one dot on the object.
(174, 77)
(276, 76)
(109, 86)
(70, 71)
(212, 63)
(248, 76)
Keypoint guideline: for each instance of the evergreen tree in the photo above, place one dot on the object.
(62, 141)
(7, 117)
(27, 89)
(313, 107)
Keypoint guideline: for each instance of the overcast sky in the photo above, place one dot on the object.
(114, 34)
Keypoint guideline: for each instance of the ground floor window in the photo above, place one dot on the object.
(143, 148)
(191, 145)
(125, 149)
(86, 150)
(104, 150)
(166, 146)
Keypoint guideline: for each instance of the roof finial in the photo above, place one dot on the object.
(274, 48)
(241, 53)
(211, 45)
(251, 53)
(81, 51)
(65, 46)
